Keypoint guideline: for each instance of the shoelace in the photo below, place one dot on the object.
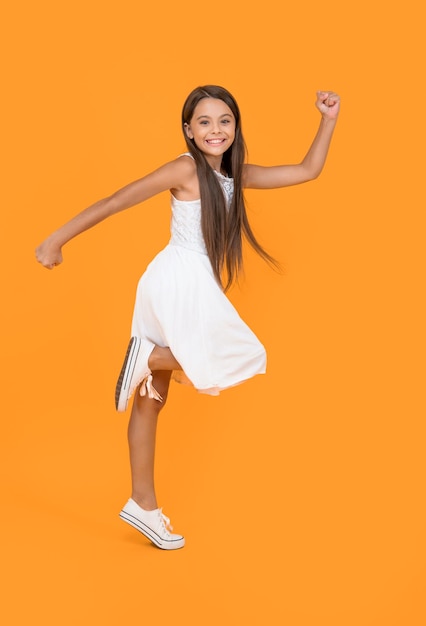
(165, 522)
(147, 388)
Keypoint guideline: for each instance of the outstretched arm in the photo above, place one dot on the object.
(169, 176)
(258, 177)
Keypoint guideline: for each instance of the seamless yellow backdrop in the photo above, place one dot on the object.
(301, 493)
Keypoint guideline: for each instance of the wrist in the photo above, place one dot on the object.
(56, 239)
(329, 121)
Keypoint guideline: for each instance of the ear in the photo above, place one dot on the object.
(188, 131)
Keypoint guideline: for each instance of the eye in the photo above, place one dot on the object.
(204, 122)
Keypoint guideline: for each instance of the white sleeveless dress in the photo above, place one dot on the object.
(180, 305)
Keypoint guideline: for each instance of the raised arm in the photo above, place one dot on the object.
(170, 176)
(258, 177)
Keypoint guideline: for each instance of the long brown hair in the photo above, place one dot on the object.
(222, 227)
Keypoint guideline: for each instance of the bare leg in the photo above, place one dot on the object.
(162, 359)
(142, 434)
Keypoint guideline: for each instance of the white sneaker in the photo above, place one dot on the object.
(153, 524)
(135, 370)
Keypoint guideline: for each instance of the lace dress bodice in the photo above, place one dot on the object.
(186, 218)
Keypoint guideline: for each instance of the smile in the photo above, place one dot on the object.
(215, 142)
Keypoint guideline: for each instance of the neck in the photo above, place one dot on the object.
(215, 162)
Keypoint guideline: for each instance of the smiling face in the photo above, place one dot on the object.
(212, 127)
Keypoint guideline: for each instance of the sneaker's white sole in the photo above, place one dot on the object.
(125, 377)
(150, 534)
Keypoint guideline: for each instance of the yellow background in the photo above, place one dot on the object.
(301, 493)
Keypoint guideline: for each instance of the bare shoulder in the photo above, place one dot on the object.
(185, 166)
(186, 186)
(169, 176)
(179, 169)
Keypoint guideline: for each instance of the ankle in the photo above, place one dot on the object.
(146, 503)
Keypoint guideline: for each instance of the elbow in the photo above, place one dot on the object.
(312, 173)
(315, 175)
(309, 176)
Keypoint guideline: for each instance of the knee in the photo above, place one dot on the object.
(158, 405)
(143, 405)
(160, 383)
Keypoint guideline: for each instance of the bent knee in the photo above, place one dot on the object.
(161, 383)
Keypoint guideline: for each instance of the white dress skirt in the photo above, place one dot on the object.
(180, 305)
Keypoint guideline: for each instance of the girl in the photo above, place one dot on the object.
(183, 323)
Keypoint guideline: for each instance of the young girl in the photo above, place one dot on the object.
(183, 323)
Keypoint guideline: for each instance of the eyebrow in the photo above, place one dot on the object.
(208, 116)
